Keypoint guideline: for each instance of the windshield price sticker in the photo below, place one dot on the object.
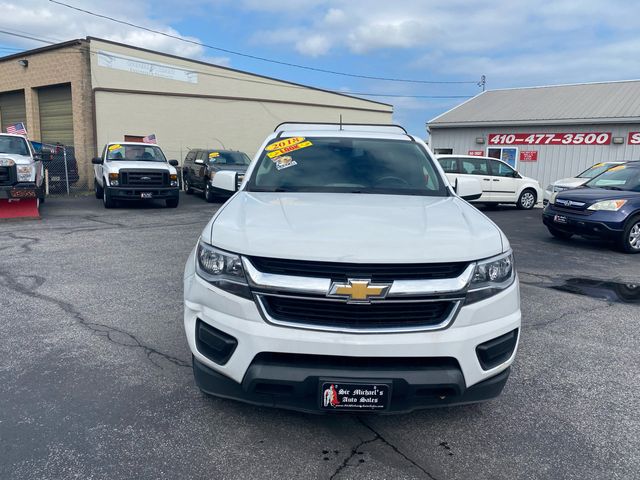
(214, 154)
(114, 147)
(354, 396)
(290, 148)
(287, 142)
(588, 138)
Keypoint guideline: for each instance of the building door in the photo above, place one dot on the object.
(12, 109)
(56, 114)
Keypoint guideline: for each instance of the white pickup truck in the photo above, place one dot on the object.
(21, 169)
(133, 171)
(347, 274)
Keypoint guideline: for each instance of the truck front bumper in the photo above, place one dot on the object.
(136, 193)
(248, 359)
(20, 191)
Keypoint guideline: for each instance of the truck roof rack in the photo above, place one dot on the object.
(350, 127)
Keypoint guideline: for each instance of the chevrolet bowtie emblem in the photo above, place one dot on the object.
(361, 291)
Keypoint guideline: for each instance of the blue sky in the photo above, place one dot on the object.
(514, 43)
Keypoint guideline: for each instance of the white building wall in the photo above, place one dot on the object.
(554, 161)
(181, 123)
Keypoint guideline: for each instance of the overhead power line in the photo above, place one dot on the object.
(262, 59)
(274, 82)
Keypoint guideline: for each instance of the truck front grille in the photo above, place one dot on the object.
(140, 178)
(380, 272)
(336, 314)
(8, 175)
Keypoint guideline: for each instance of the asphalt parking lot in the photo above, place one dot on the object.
(95, 377)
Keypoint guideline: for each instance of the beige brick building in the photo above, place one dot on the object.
(84, 93)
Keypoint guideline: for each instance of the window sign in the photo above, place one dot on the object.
(508, 155)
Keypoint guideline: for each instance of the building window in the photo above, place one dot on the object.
(443, 151)
(506, 154)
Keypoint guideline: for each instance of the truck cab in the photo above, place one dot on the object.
(21, 169)
(133, 171)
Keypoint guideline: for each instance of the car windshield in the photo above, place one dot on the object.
(346, 165)
(229, 158)
(138, 153)
(621, 177)
(595, 170)
(14, 145)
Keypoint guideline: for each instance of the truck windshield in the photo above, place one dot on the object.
(14, 145)
(229, 158)
(346, 165)
(138, 153)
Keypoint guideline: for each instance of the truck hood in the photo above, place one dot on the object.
(571, 182)
(19, 159)
(112, 166)
(357, 228)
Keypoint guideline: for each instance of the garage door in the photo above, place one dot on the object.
(12, 109)
(56, 114)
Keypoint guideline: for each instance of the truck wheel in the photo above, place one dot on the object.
(629, 242)
(187, 186)
(107, 201)
(97, 188)
(559, 233)
(172, 202)
(527, 200)
(209, 196)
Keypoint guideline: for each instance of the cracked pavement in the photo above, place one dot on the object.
(95, 378)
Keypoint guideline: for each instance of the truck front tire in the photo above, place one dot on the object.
(172, 202)
(97, 188)
(106, 198)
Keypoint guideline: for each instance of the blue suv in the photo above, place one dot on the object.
(607, 206)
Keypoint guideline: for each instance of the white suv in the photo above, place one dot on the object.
(346, 274)
(500, 182)
(134, 171)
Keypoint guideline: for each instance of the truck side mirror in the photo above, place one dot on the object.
(173, 163)
(43, 156)
(225, 180)
(97, 160)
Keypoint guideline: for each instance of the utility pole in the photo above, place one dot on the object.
(483, 82)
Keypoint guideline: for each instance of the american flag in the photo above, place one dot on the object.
(149, 138)
(17, 128)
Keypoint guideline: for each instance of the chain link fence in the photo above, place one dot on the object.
(62, 175)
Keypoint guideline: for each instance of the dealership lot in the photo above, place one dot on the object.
(96, 379)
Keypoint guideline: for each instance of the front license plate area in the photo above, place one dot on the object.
(146, 195)
(354, 396)
(560, 219)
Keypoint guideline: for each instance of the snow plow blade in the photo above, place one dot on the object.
(24, 208)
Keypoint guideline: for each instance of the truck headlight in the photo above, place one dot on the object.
(222, 269)
(173, 178)
(7, 162)
(608, 205)
(114, 179)
(491, 276)
(26, 173)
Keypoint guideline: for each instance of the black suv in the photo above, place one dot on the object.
(201, 165)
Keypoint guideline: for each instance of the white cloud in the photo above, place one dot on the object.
(57, 23)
